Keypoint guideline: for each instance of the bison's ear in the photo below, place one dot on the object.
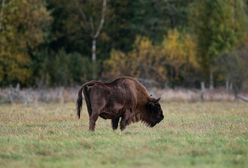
(157, 100)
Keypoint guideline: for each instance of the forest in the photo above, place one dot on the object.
(190, 55)
(170, 43)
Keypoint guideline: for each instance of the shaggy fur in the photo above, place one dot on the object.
(123, 99)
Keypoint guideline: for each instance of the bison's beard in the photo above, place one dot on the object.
(150, 121)
(148, 124)
(144, 119)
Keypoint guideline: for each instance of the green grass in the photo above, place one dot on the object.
(213, 134)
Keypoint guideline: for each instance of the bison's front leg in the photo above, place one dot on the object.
(92, 124)
(115, 123)
(124, 121)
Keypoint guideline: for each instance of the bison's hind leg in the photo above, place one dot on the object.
(92, 122)
(115, 123)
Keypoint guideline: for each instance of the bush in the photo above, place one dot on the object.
(61, 68)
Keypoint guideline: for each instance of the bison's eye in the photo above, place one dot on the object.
(157, 106)
(153, 107)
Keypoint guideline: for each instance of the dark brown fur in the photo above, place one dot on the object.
(124, 98)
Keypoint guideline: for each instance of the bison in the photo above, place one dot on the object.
(123, 99)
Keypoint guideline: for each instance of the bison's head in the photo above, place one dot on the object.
(154, 112)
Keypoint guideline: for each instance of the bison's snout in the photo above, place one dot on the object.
(159, 119)
(162, 117)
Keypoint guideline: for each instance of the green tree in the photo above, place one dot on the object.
(60, 68)
(22, 28)
(93, 15)
(217, 27)
(129, 19)
(155, 17)
(234, 66)
(78, 27)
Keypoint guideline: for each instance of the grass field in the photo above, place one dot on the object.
(212, 134)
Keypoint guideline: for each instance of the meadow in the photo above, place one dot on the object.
(199, 134)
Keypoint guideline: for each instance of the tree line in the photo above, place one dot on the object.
(173, 42)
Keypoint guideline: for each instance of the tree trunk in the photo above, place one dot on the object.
(95, 36)
(227, 85)
(211, 80)
(202, 90)
(93, 50)
(93, 58)
(94, 31)
(231, 86)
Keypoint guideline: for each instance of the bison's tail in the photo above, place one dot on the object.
(87, 96)
(84, 89)
(79, 101)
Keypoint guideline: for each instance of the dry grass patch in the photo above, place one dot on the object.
(213, 134)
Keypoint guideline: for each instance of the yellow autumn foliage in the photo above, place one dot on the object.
(150, 61)
(116, 63)
(179, 50)
(141, 62)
